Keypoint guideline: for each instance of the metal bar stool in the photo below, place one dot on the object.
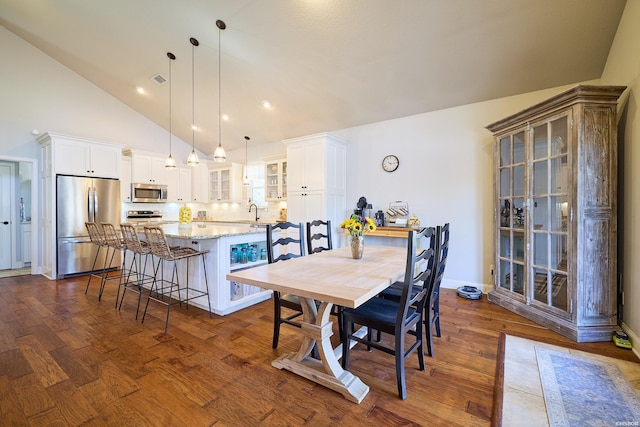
(97, 237)
(138, 249)
(159, 247)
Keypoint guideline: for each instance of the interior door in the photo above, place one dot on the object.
(6, 174)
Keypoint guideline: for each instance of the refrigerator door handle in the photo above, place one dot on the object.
(95, 203)
(90, 213)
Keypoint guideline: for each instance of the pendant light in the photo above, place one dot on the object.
(246, 181)
(170, 163)
(219, 155)
(193, 160)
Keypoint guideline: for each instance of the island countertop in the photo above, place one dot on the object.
(210, 231)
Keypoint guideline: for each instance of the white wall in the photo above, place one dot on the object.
(445, 175)
(623, 68)
(38, 92)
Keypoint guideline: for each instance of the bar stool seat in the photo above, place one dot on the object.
(160, 287)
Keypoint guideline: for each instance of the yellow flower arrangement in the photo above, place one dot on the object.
(357, 225)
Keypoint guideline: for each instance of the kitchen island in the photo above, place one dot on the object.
(230, 247)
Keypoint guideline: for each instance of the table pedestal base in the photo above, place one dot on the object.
(317, 329)
(350, 386)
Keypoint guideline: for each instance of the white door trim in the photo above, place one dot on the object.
(36, 195)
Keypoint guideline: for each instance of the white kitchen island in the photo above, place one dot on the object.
(220, 240)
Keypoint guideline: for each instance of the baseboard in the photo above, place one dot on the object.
(633, 338)
(455, 284)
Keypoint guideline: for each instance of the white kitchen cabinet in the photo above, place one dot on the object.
(147, 168)
(179, 187)
(68, 155)
(200, 184)
(81, 157)
(275, 178)
(316, 177)
(225, 184)
(125, 179)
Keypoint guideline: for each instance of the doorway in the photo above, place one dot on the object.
(19, 238)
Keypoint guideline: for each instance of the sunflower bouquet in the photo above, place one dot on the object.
(357, 225)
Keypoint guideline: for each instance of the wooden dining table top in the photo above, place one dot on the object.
(331, 276)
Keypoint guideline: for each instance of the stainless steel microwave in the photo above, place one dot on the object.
(148, 193)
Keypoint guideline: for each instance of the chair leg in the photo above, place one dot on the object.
(105, 272)
(93, 267)
(436, 314)
(400, 356)
(153, 285)
(428, 328)
(345, 343)
(420, 348)
(277, 312)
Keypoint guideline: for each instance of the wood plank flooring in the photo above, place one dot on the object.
(67, 359)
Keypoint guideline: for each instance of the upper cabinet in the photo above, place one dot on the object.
(225, 183)
(555, 212)
(83, 157)
(200, 183)
(275, 178)
(147, 168)
(125, 179)
(179, 186)
(316, 175)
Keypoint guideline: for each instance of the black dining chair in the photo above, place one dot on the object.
(397, 318)
(285, 240)
(394, 292)
(319, 240)
(319, 236)
(432, 305)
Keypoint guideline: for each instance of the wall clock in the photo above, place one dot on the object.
(390, 163)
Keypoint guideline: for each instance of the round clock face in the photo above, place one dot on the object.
(390, 163)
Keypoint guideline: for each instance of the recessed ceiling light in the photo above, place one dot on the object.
(140, 90)
(194, 127)
(225, 117)
(266, 104)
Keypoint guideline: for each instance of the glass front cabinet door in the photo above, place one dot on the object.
(555, 212)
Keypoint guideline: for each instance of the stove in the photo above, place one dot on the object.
(144, 216)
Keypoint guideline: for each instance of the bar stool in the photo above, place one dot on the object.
(115, 242)
(159, 247)
(138, 249)
(97, 237)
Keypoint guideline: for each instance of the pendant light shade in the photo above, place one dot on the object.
(170, 163)
(193, 160)
(246, 181)
(219, 155)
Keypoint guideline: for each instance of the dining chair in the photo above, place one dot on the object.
(396, 318)
(284, 241)
(432, 305)
(319, 240)
(394, 292)
(160, 286)
(319, 236)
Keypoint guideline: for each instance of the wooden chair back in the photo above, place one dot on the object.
(319, 236)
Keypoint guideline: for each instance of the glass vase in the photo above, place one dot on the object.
(357, 246)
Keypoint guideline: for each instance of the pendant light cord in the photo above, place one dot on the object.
(219, 91)
(193, 98)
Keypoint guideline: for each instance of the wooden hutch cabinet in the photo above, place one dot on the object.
(556, 212)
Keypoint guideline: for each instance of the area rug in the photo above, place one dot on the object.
(521, 400)
(580, 391)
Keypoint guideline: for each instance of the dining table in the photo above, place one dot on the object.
(331, 278)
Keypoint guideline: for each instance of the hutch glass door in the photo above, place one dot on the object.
(550, 212)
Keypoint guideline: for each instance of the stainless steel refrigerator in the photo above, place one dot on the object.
(80, 200)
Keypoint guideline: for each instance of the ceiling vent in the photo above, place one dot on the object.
(159, 78)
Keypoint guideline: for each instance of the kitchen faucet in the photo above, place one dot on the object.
(252, 205)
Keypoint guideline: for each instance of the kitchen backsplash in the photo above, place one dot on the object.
(215, 211)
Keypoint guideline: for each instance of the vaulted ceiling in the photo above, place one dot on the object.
(323, 64)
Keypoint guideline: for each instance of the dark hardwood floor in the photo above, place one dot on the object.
(67, 359)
